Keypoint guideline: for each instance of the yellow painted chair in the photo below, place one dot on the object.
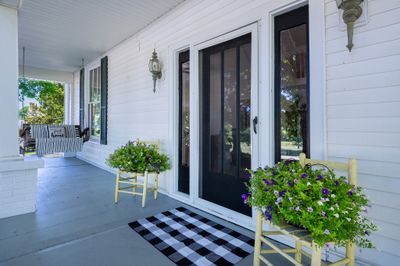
(302, 237)
(131, 179)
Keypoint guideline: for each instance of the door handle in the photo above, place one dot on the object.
(255, 122)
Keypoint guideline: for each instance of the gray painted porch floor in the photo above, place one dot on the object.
(77, 222)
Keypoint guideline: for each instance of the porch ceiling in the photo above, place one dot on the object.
(57, 34)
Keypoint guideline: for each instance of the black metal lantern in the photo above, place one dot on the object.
(155, 69)
(352, 10)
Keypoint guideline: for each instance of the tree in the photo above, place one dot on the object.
(49, 95)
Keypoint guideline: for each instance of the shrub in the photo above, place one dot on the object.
(315, 199)
(138, 157)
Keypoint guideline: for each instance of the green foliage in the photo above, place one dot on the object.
(23, 112)
(50, 96)
(138, 157)
(315, 199)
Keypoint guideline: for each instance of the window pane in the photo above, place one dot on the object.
(95, 119)
(215, 113)
(91, 73)
(185, 113)
(230, 127)
(245, 108)
(293, 91)
(94, 104)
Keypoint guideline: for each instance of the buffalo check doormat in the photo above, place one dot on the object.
(188, 238)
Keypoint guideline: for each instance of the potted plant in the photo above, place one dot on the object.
(312, 198)
(138, 157)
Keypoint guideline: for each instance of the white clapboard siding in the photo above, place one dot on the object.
(378, 80)
(363, 114)
(362, 96)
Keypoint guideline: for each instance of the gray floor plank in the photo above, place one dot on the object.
(77, 222)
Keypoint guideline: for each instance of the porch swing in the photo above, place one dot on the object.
(48, 139)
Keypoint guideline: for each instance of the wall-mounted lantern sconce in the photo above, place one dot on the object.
(155, 69)
(352, 10)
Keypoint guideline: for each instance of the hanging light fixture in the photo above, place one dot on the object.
(155, 68)
(352, 11)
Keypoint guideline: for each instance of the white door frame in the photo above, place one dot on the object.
(261, 25)
(195, 127)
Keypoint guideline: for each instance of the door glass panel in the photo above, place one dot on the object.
(230, 128)
(185, 127)
(245, 108)
(293, 91)
(215, 113)
(184, 123)
(226, 122)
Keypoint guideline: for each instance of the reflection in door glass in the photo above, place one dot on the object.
(293, 91)
(244, 105)
(184, 123)
(230, 127)
(215, 111)
(185, 114)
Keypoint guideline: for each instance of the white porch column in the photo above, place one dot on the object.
(67, 104)
(8, 83)
(17, 176)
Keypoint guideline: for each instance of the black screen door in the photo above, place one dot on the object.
(226, 145)
(184, 122)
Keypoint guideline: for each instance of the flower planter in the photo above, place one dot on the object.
(314, 200)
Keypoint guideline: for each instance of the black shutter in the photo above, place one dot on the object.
(82, 99)
(104, 100)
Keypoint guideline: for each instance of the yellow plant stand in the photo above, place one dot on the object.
(302, 237)
(132, 182)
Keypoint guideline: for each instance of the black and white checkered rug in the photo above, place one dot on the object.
(188, 238)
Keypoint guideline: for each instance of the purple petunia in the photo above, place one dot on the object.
(290, 184)
(326, 232)
(337, 183)
(349, 193)
(309, 209)
(320, 177)
(325, 191)
(296, 181)
(268, 215)
(245, 197)
(247, 176)
(282, 193)
(267, 182)
(323, 213)
(303, 175)
(279, 199)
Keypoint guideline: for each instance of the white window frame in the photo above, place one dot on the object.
(89, 68)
